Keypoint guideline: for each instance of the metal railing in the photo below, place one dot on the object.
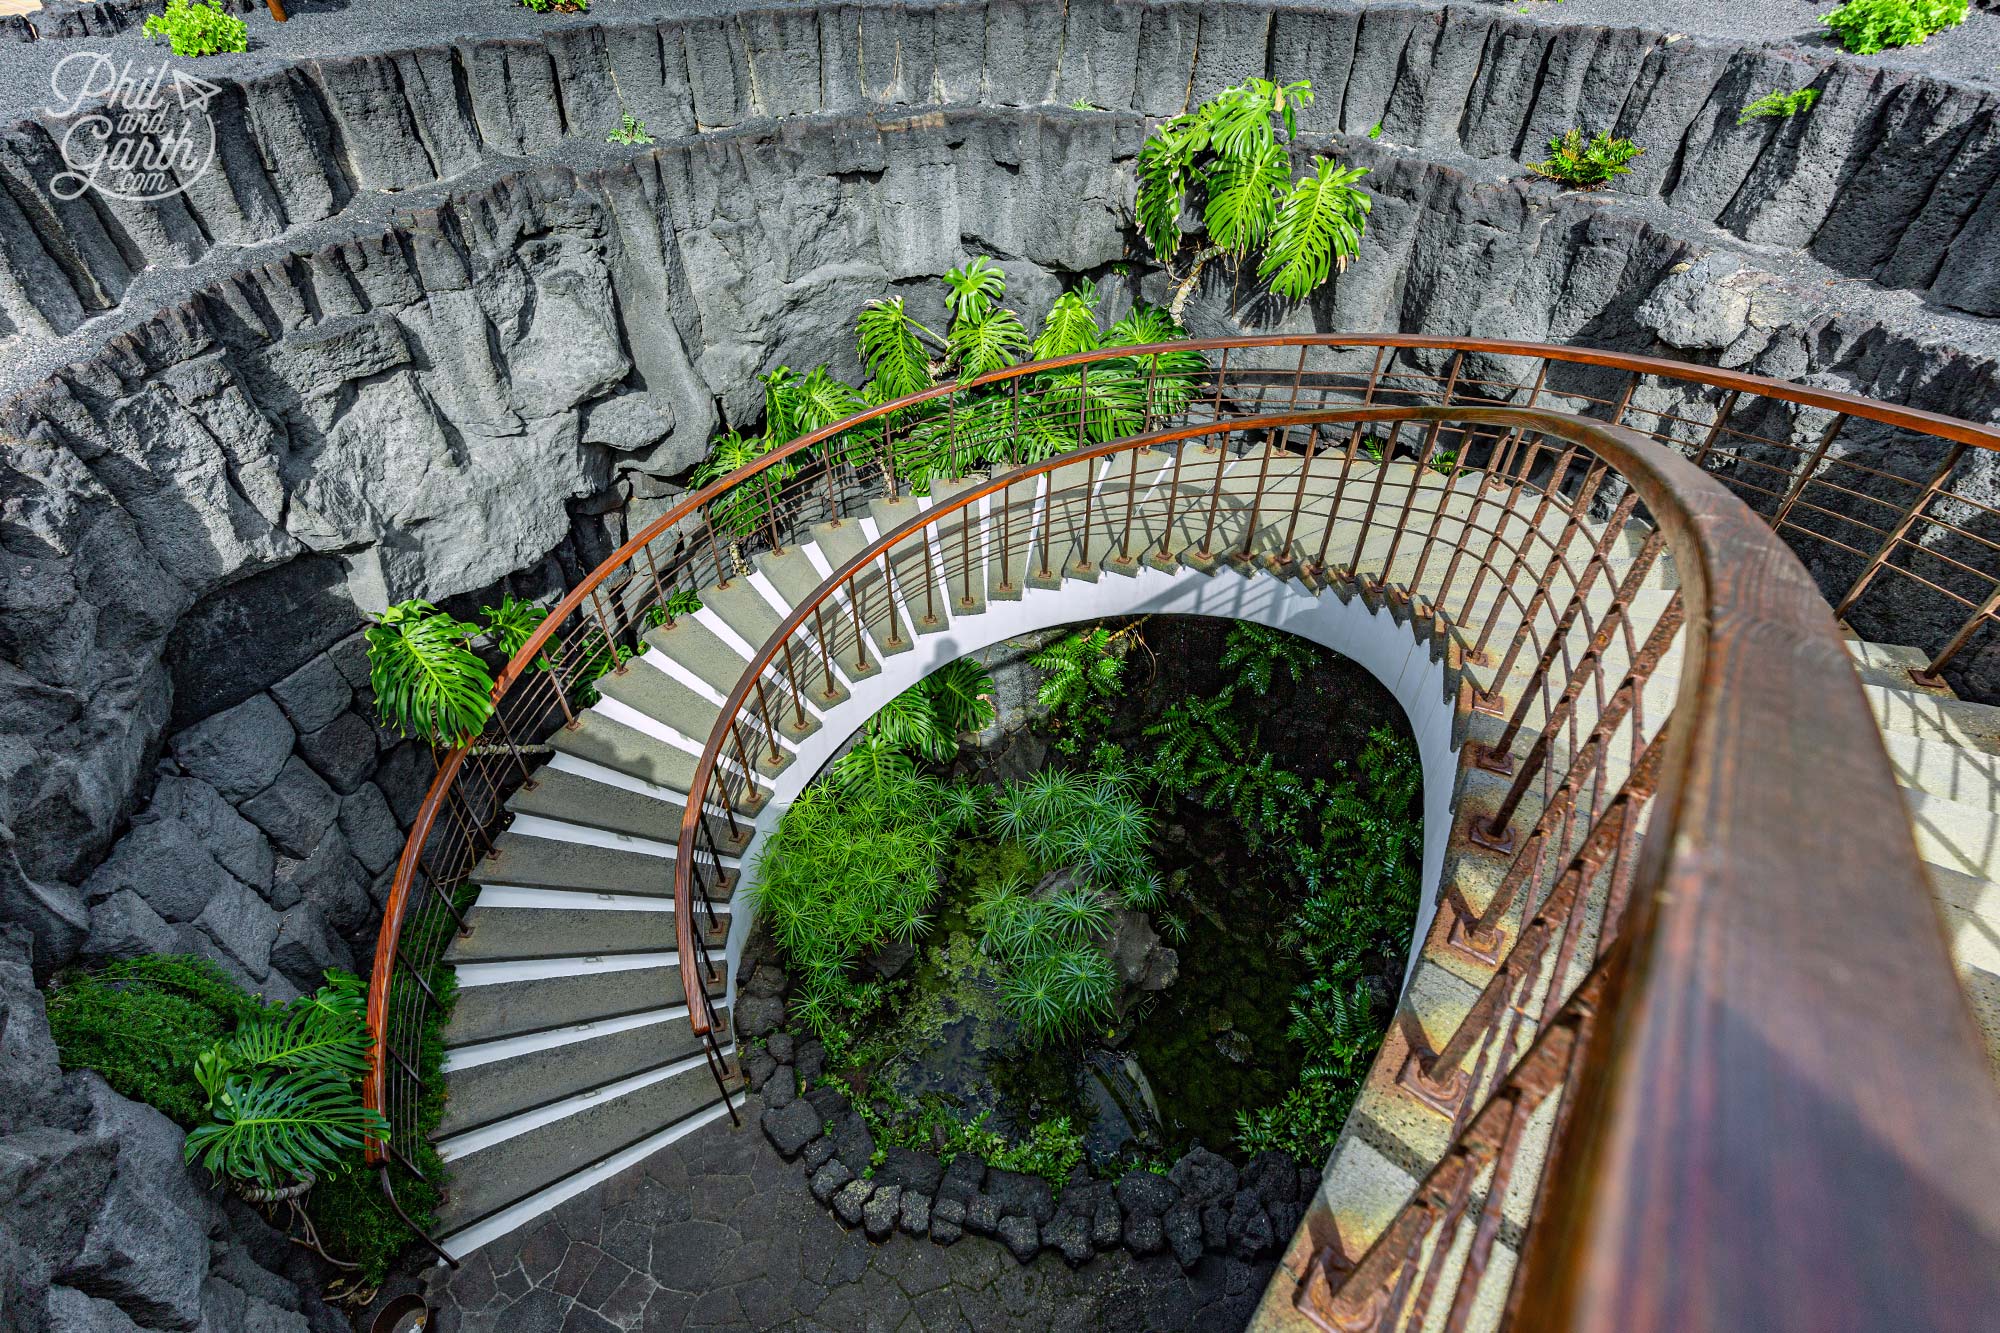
(1843, 478)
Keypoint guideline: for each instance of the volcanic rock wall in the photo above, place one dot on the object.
(422, 332)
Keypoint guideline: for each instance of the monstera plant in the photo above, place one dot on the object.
(284, 1094)
(1225, 159)
(427, 680)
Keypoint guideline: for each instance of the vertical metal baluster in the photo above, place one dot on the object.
(888, 460)
(770, 725)
(965, 551)
(1374, 496)
(1283, 555)
(1006, 539)
(860, 641)
(1896, 535)
(1720, 424)
(714, 548)
(825, 653)
(1173, 500)
(771, 512)
(743, 758)
(1124, 556)
(1256, 501)
(1929, 675)
(1806, 474)
(924, 558)
(792, 680)
(889, 601)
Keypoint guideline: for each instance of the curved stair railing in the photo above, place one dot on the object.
(1740, 843)
(1891, 501)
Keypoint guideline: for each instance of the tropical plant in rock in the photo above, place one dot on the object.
(142, 1023)
(199, 28)
(631, 132)
(1586, 164)
(1778, 104)
(681, 602)
(1867, 26)
(284, 1091)
(1227, 160)
(893, 349)
(512, 623)
(426, 681)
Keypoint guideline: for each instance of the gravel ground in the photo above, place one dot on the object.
(717, 1233)
(320, 28)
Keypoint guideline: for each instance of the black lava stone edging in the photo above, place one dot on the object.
(1203, 1203)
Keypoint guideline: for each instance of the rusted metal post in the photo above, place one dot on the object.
(1925, 495)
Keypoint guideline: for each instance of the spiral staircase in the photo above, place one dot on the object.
(1678, 1015)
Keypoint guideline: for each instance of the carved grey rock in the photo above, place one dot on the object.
(791, 1128)
(239, 751)
(884, 1208)
(295, 809)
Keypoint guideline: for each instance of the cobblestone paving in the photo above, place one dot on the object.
(717, 1232)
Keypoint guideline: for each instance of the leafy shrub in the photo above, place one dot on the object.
(1362, 876)
(1225, 158)
(199, 28)
(558, 6)
(1779, 104)
(1586, 165)
(681, 602)
(284, 1090)
(1867, 26)
(161, 1029)
(1058, 979)
(903, 356)
(853, 863)
(144, 1022)
(631, 132)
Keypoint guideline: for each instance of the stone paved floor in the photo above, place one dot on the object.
(717, 1232)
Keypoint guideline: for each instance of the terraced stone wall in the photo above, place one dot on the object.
(422, 332)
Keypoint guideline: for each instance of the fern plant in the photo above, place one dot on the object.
(631, 132)
(1226, 159)
(144, 1022)
(1867, 26)
(1259, 655)
(1586, 164)
(1079, 671)
(1779, 104)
